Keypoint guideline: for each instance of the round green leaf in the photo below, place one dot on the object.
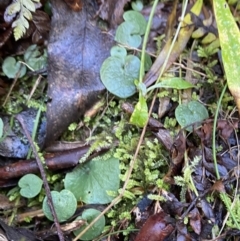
(89, 215)
(128, 34)
(11, 68)
(34, 58)
(118, 75)
(65, 205)
(191, 113)
(1, 127)
(137, 19)
(30, 185)
(92, 181)
(117, 51)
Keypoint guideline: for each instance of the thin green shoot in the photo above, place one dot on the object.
(145, 39)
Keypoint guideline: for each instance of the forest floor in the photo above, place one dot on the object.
(119, 120)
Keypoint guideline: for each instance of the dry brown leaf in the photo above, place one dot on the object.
(76, 50)
(41, 22)
(112, 11)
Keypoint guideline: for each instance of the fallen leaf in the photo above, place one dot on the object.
(195, 220)
(41, 22)
(157, 228)
(178, 148)
(12, 233)
(226, 128)
(76, 50)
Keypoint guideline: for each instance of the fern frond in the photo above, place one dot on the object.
(18, 29)
(13, 8)
(23, 9)
(235, 210)
(179, 181)
(28, 4)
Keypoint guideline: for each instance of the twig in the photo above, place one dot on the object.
(12, 86)
(43, 175)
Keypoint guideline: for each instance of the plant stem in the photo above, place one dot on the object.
(145, 39)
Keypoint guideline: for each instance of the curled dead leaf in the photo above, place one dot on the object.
(156, 228)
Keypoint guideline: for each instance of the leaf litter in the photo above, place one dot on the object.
(185, 199)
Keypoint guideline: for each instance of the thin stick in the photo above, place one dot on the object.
(41, 169)
(119, 197)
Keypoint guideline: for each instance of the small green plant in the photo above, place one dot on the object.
(65, 205)
(30, 185)
(34, 59)
(186, 182)
(119, 72)
(129, 32)
(233, 220)
(191, 113)
(21, 9)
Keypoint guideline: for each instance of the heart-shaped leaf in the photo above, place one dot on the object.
(137, 19)
(91, 181)
(89, 215)
(128, 34)
(30, 185)
(117, 51)
(118, 75)
(11, 68)
(191, 113)
(65, 205)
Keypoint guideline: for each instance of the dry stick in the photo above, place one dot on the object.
(41, 169)
(118, 198)
(12, 86)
